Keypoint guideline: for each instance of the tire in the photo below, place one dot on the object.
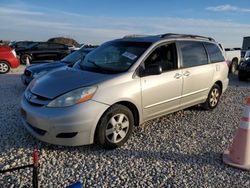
(241, 77)
(114, 127)
(24, 57)
(4, 67)
(213, 98)
(234, 66)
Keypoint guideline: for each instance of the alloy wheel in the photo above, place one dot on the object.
(214, 97)
(3, 67)
(117, 128)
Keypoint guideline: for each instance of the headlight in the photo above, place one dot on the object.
(36, 74)
(243, 65)
(74, 97)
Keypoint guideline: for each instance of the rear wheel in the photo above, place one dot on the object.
(213, 98)
(4, 67)
(115, 127)
(234, 66)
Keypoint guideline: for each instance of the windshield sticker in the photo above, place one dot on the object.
(129, 55)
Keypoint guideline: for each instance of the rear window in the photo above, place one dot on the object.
(214, 53)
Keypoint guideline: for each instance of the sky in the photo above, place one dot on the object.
(94, 22)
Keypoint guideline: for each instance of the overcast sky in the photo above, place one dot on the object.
(98, 21)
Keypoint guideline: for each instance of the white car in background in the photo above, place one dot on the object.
(233, 56)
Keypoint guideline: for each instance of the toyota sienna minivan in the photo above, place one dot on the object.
(122, 84)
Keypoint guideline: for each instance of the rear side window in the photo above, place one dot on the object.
(193, 54)
(214, 52)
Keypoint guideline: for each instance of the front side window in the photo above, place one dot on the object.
(193, 54)
(165, 56)
(42, 46)
(214, 52)
(114, 56)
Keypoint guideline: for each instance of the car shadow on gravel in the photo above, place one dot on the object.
(235, 82)
(206, 159)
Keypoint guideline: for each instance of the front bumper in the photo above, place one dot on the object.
(245, 72)
(26, 79)
(47, 124)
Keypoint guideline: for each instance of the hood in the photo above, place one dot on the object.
(45, 66)
(61, 81)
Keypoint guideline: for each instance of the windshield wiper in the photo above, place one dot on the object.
(94, 63)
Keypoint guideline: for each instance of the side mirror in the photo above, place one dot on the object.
(154, 69)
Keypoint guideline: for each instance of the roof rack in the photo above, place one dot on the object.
(169, 35)
(133, 36)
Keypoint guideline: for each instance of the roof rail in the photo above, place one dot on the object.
(133, 36)
(169, 35)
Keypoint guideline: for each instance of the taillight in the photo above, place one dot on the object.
(13, 52)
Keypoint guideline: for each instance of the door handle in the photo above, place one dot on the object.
(178, 75)
(187, 73)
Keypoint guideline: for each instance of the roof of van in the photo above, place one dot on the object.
(155, 38)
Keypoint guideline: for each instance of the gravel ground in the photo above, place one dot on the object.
(183, 149)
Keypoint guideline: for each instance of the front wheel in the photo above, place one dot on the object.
(213, 98)
(26, 59)
(115, 127)
(4, 67)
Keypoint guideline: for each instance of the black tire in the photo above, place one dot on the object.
(241, 77)
(213, 98)
(234, 66)
(24, 57)
(4, 67)
(118, 132)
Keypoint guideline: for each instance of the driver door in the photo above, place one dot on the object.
(161, 93)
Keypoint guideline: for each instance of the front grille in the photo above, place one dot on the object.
(37, 130)
(27, 73)
(36, 100)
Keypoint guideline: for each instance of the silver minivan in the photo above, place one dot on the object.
(122, 84)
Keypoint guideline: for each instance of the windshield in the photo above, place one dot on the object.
(114, 56)
(74, 56)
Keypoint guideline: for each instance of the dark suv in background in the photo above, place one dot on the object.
(20, 45)
(42, 51)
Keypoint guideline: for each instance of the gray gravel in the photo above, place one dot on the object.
(183, 149)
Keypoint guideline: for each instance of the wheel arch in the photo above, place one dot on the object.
(126, 104)
(235, 59)
(133, 109)
(219, 83)
(4, 60)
